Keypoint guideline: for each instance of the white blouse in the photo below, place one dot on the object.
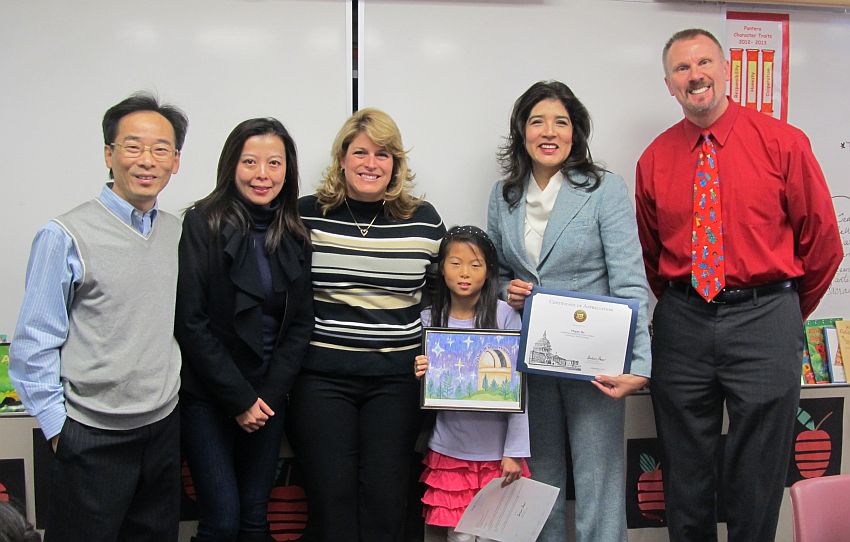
(538, 207)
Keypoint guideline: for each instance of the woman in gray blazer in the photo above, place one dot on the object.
(561, 221)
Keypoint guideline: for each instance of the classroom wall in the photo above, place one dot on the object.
(223, 61)
(451, 79)
(447, 71)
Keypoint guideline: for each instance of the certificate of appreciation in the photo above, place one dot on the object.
(576, 335)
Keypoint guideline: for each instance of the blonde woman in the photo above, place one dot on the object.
(355, 403)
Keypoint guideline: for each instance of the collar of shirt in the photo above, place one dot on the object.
(720, 130)
(139, 221)
(534, 194)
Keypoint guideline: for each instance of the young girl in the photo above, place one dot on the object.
(468, 449)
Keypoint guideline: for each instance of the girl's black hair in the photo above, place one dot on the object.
(485, 308)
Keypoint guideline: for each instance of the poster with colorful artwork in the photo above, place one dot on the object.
(818, 433)
(645, 504)
(757, 46)
(9, 400)
(816, 451)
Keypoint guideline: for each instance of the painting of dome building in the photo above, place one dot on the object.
(472, 370)
(541, 354)
(494, 364)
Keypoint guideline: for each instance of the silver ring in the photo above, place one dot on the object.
(509, 297)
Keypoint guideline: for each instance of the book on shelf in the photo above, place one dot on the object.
(806, 375)
(818, 357)
(842, 330)
(833, 355)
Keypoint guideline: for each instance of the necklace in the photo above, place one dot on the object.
(364, 231)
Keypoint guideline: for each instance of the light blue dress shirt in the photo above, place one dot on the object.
(53, 273)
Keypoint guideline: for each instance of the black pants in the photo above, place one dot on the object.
(747, 355)
(354, 437)
(116, 486)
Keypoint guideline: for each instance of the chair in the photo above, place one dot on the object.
(822, 509)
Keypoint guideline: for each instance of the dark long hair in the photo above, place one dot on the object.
(514, 158)
(485, 308)
(224, 206)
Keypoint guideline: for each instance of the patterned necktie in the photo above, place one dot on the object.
(708, 274)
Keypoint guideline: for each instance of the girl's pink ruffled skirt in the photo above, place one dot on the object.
(452, 483)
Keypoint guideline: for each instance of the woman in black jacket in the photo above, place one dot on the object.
(244, 318)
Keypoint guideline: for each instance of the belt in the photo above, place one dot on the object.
(729, 296)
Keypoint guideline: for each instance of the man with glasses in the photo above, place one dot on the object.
(93, 357)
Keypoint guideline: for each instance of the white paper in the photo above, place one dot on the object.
(515, 513)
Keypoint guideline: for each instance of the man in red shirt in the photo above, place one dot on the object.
(778, 251)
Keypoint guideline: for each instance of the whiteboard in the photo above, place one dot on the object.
(447, 71)
(818, 104)
(450, 72)
(222, 61)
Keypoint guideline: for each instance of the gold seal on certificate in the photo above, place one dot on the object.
(576, 335)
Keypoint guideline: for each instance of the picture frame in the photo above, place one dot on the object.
(472, 369)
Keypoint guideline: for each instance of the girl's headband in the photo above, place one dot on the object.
(471, 231)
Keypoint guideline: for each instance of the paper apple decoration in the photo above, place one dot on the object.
(813, 447)
(188, 484)
(650, 489)
(287, 513)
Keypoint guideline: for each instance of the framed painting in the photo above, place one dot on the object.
(472, 369)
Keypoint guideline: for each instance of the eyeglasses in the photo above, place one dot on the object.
(159, 151)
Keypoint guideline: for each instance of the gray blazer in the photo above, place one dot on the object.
(590, 245)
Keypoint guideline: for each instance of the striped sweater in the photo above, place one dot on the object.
(368, 289)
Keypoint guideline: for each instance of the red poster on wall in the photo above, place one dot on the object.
(758, 61)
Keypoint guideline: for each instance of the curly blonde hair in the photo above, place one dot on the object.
(383, 131)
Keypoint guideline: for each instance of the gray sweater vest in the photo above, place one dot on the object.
(120, 365)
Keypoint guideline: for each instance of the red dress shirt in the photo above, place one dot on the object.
(778, 218)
